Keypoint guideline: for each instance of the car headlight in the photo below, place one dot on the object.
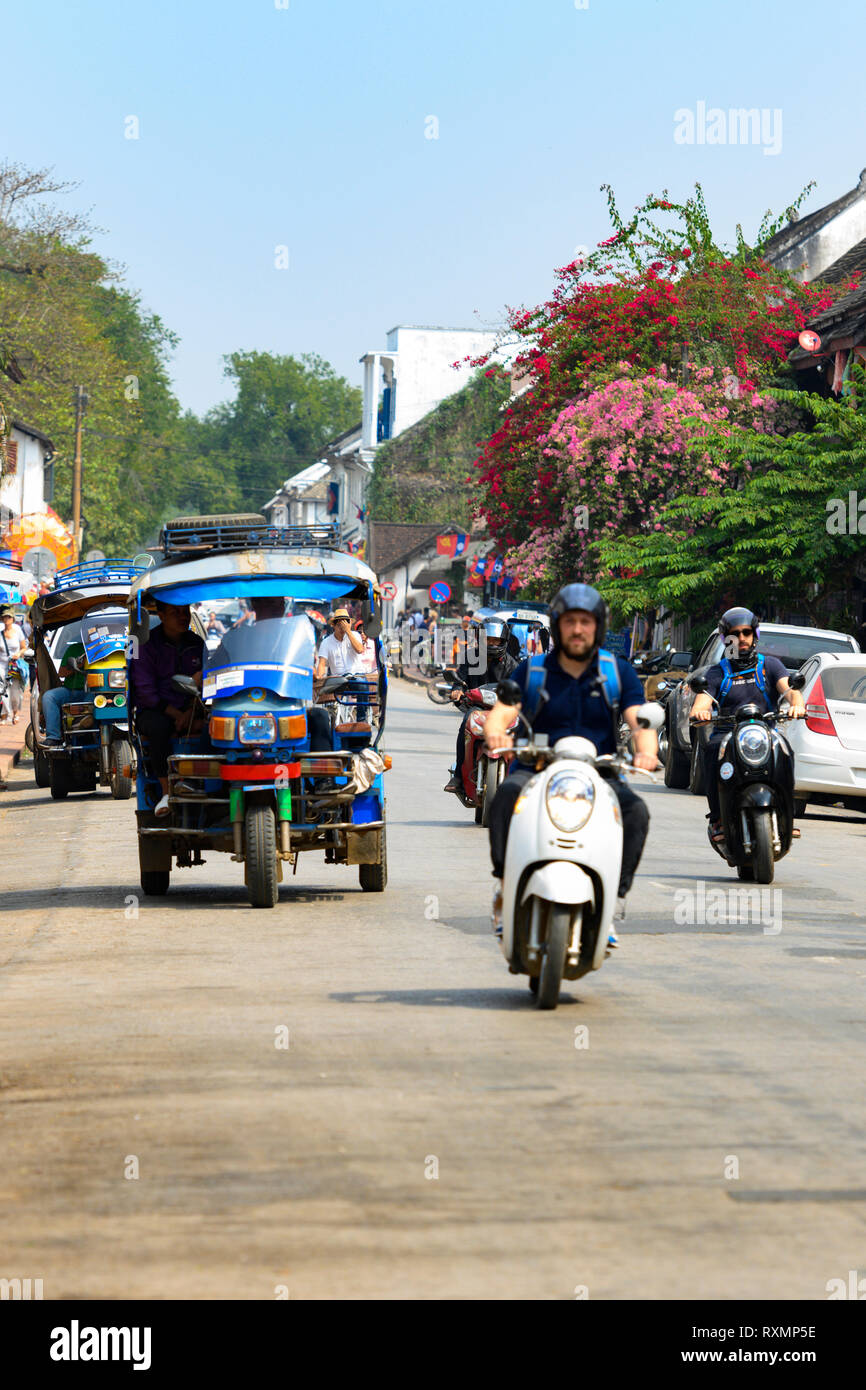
(116, 678)
(257, 728)
(570, 800)
(753, 744)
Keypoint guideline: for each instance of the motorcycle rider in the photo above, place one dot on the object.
(500, 651)
(742, 677)
(576, 705)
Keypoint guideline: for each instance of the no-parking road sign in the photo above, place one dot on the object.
(388, 590)
(440, 592)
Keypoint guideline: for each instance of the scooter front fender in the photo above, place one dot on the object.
(758, 796)
(560, 882)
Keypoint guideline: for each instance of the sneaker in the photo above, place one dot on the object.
(496, 910)
(162, 808)
(52, 743)
(84, 721)
(452, 785)
(612, 941)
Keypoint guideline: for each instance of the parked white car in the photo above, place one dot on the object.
(830, 743)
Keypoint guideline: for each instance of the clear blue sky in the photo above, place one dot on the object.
(305, 126)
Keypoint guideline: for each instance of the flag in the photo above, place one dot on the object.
(479, 566)
(446, 545)
(488, 568)
(507, 580)
(461, 544)
(497, 567)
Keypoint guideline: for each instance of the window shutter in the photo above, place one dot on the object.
(11, 451)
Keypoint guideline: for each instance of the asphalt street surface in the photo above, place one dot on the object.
(350, 1097)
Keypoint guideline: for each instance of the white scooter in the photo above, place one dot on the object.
(562, 861)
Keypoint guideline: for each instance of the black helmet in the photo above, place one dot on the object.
(738, 617)
(584, 597)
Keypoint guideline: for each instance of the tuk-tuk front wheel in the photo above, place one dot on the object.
(261, 856)
(121, 758)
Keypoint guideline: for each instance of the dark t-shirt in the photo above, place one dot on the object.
(576, 707)
(744, 688)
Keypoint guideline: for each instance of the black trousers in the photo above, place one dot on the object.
(710, 761)
(635, 823)
(320, 729)
(461, 746)
(159, 731)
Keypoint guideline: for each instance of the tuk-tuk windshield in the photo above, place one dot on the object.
(277, 654)
(102, 634)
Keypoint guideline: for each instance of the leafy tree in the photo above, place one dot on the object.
(787, 534)
(285, 411)
(660, 294)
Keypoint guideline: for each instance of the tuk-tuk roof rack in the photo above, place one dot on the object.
(97, 572)
(10, 564)
(183, 540)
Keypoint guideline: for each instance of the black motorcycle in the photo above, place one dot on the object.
(755, 772)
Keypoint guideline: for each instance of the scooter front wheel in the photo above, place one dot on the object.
(553, 960)
(763, 860)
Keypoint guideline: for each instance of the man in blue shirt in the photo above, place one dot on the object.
(575, 706)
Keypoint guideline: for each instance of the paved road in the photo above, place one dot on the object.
(144, 1035)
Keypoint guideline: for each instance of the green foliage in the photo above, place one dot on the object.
(423, 474)
(65, 322)
(775, 538)
(285, 411)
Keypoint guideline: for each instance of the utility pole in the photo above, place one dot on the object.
(80, 407)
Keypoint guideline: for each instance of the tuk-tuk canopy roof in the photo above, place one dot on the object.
(61, 606)
(286, 573)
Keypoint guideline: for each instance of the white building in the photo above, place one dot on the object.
(27, 472)
(403, 382)
(409, 377)
(811, 245)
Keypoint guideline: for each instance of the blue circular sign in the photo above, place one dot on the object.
(440, 592)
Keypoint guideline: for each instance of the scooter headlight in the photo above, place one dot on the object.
(116, 679)
(257, 728)
(753, 744)
(570, 800)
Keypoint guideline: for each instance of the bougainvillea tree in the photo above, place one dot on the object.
(661, 297)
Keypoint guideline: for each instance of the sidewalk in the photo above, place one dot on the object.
(11, 743)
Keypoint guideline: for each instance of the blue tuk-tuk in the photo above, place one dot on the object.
(278, 768)
(86, 608)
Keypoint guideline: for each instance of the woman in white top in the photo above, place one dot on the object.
(12, 644)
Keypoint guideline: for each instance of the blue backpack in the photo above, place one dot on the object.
(611, 685)
(728, 674)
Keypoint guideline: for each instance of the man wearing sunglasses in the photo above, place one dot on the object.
(742, 677)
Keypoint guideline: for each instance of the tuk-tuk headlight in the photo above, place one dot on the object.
(570, 800)
(257, 728)
(753, 744)
(116, 678)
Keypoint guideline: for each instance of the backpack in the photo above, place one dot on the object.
(611, 685)
(728, 674)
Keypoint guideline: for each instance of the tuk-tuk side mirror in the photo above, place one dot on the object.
(698, 684)
(797, 681)
(185, 684)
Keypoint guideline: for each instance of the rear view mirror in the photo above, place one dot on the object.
(650, 715)
(509, 693)
(185, 684)
(797, 681)
(698, 684)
